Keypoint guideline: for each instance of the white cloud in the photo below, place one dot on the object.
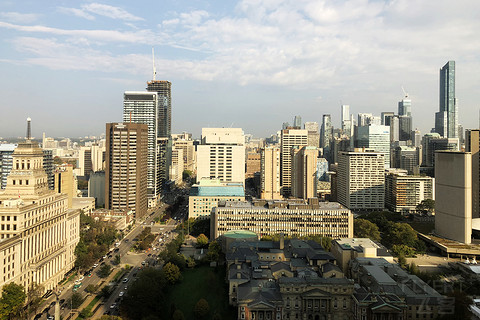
(18, 17)
(77, 12)
(104, 10)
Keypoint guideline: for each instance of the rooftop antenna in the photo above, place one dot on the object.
(404, 92)
(29, 128)
(154, 69)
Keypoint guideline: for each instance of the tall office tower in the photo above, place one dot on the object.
(394, 129)
(253, 164)
(338, 145)
(289, 138)
(304, 172)
(90, 158)
(361, 180)
(326, 137)
(49, 167)
(297, 122)
(433, 142)
(221, 155)
(405, 107)
(472, 145)
(96, 187)
(386, 116)
(404, 128)
(39, 234)
(322, 169)
(285, 125)
(143, 107)
(126, 168)
(416, 138)
(164, 117)
(453, 195)
(376, 137)
(185, 142)
(66, 182)
(177, 167)
(345, 113)
(406, 158)
(461, 134)
(365, 119)
(313, 134)
(446, 119)
(270, 173)
(6, 160)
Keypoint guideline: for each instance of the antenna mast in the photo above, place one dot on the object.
(154, 69)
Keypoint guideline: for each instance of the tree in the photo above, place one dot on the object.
(12, 300)
(34, 297)
(202, 241)
(106, 291)
(191, 262)
(402, 261)
(214, 251)
(365, 229)
(400, 233)
(186, 174)
(201, 309)
(91, 288)
(104, 271)
(76, 300)
(403, 250)
(116, 260)
(178, 315)
(172, 272)
(426, 205)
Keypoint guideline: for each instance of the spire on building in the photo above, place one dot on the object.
(29, 128)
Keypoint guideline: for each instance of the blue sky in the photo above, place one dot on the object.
(251, 64)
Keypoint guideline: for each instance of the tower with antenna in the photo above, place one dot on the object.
(29, 129)
(154, 68)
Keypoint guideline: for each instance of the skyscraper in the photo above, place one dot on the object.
(297, 122)
(290, 138)
(270, 173)
(326, 137)
(405, 107)
(446, 120)
(126, 168)
(164, 121)
(304, 168)
(376, 137)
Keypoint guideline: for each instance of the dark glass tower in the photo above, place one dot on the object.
(446, 120)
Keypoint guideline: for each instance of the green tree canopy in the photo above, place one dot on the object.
(201, 309)
(172, 272)
(202, 241)
(400, 233)
(426, 205)
(365, 229)
(12, 300)
(76, 300)
(104, 271)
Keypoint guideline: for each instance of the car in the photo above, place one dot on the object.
(149, 255)
(50, 317)
(38, 316)
(53, 303)
(110, 256)
(116, 250)
(107, 312)
(95, 265)
(125, 280)
(104, 257)
(46, 310)
(143, 263)
(61, 301)
(126, 240)
(125, 288)
(90, 275)
(134, 275)
(121, 294)
(81, 278)
(113, 306)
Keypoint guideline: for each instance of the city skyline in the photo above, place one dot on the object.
(240, 64)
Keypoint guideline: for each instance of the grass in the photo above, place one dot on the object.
(88, 308)
(202, 282)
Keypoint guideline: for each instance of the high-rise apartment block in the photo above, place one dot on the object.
(126, 168)
(90, 158)
(38, 233)
(6, 161)
(290, 138)
(304, 172)
(313, 134)
(407, 158)
(66, 182)
(270, 173)
(453, 195)
(377, 138)
(184, 141)
(403, 192)
(177, 166)
(446, 120)
(361, 180)
(221, 155)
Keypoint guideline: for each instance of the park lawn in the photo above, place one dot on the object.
(202, 282)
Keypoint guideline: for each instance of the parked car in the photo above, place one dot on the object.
(125, 280)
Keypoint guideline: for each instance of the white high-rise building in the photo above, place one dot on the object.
(290, 138)
(376, 137)
(361, 180)
(221, 155)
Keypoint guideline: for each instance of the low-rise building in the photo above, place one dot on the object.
(208, 192)
(328, 219)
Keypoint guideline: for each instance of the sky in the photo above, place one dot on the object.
(251, 64)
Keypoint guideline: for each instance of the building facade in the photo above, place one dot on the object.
(38, 233)
(126, 168)
(377, 138)
(403, 192)
(270, 173)
(361, 180)
(472, 145)
(304, 172)
(289, 138)
(446, 120)
(6, 160)
(328, 219)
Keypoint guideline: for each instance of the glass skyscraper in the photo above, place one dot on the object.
(446, 120)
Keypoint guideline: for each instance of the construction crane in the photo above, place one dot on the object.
(404, 92)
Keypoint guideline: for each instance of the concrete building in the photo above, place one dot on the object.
(403, 192)
(38, 233)
(405, 107)
(313, 134)
(304, 172)
(472, 145)
(347, 249)
(66, 182)
(289, 138)
(407, 158)
(146, 107)
(49, 167)
(90, 158)
(361, 180)
(185, 142)
(453, 194)
(126, 168)
(326, 136)
(96, 188)
(377, 138)
(433, 142)
(221, 155)
(270, 173)
(177, 166)
(328, 219)
(206, 195)
(6, 160)
(163, 89)
(253, 164)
